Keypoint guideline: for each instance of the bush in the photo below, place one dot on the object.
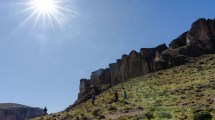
(96, 112)
(164, 115)
(113, 108)
(203, 115)
(84, 118)
(149, 115)
(139, 117)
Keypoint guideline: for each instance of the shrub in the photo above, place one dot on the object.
(203, 115)
(113, 108)
(84, 118)
(164, 115)
(149, 115)
(101, 117)
(139, 117)
(96, 112)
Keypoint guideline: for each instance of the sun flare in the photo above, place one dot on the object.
(47, 12)
(45, 5)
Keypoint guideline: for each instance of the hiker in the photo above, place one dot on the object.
(116, 97)
(45, 111)
(93, 99)
(125, 95)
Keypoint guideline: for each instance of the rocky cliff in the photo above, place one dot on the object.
(200, 39)
(11, 111)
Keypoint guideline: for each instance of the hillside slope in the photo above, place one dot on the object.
(179, 93)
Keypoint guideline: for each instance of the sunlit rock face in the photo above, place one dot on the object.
(199, 40)
(11, 111)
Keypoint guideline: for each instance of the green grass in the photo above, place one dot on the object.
(175, 94)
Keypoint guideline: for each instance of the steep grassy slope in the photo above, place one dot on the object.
(183, 92)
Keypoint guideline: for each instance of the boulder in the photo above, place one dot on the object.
(179, 42)
(135, 64)
(124, 69)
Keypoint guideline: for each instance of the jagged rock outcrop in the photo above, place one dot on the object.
(84, 84)
(11, 111)
(147, 56)
(101, 77)
(178, 42)
(113, 73)
(119, 63)
(135, 64)
(151, 58)
(202, 35)
(124, 69)
(200, 39)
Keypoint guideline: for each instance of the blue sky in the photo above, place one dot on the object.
(41, 65)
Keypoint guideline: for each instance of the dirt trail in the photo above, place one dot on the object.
(124, 113)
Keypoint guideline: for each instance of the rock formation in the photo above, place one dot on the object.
(200, 39)
(124, 69)
(10, 111)
(178, 42)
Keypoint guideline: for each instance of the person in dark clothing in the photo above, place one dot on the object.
(93, 99)
(116, 97)
(45, 111)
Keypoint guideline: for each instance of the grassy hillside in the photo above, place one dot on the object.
(179, 93)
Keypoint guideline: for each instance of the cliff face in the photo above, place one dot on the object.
(9, 111)
(200, 39)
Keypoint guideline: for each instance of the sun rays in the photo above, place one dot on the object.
(46, 12)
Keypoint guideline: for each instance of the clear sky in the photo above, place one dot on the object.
(41, 63)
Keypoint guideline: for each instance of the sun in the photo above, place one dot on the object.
(46, 12)
(45, 6)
